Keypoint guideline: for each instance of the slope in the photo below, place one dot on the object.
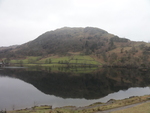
(106, 48)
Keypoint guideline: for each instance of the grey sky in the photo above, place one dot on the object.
(24, 20)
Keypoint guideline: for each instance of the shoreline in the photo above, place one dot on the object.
(110, 105)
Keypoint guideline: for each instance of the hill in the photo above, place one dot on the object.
(102, 46)
(64, 40)
(61, 41)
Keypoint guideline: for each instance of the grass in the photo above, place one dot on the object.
(36, 109)
(53, 59)
(82, 57)
(74, 63)
(124, 102)
(28, 59)
(92, 62)
(142, 108)
(71, 59)
(57, 61)
(120, 103)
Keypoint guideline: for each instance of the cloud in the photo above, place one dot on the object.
(24, 20)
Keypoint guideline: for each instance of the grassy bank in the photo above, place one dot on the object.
(142, 108)
(111, 104)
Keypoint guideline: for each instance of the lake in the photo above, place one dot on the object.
(28, 87)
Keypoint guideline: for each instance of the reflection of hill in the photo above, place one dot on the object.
(89, 86)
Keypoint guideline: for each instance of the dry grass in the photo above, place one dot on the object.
(120, 103)
(142, 108)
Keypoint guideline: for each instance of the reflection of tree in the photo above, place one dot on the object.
(90, 85)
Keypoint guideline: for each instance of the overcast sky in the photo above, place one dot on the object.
(24, 20)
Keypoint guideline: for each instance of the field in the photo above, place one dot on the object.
(75, 63)
(75, 60)
(27, 60)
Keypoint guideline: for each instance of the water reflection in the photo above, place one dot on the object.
(68, 88)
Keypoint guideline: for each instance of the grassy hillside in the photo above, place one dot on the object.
(57, 61)
(62, 41)
(71, 45)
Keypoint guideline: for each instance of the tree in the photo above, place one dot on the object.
(46, 61)
(50, 61)
(21, 63)
(121, 50)
(87, 44)
(7, 61)
(104, 56)
(113, 57)
(111, 43)
(30, 60)
(76, 60)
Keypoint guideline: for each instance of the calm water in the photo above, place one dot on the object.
(21, 88)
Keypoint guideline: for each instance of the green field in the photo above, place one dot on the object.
(27, 60)
(55, 60)
(74, 63)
